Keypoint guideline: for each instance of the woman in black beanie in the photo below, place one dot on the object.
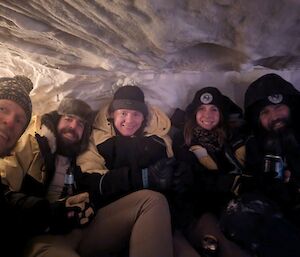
(215, 155)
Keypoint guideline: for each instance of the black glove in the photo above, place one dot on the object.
(32, 213)
(183, 178)
(117, 181)
(159, 175)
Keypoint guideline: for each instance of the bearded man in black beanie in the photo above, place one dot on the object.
(273, 152)
(269, 211)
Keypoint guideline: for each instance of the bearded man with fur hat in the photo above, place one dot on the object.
(38, 167)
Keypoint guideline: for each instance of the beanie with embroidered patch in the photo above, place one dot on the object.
(17, 89)
(269, 89)
(207, 95)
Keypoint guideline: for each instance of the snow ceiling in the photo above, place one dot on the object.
(171, 48)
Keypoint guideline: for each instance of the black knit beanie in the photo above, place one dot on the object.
(17, 89)
(129, 97)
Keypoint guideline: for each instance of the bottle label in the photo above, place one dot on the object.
(69, 179)
(274, 164)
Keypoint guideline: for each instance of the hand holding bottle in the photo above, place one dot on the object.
(79, 207)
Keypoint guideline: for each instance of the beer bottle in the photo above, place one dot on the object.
(69, 188)
(273, 161)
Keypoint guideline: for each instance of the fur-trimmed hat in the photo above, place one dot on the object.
(75, 107)
(207, 95)
(17, 89)
(269, 89)
(78, 108)
(129, 97)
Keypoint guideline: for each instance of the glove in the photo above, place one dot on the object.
(159, 175)
(78, 207)
(72, 212)
(183, 178)
(32, 213)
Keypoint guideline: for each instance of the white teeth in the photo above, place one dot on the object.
(69, 135)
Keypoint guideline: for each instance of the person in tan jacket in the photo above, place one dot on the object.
(37, 167)
(24, 214)
(129, 153)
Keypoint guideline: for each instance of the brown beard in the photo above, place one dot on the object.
(67, 148)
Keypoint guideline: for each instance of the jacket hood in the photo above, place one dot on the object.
(267, 90)
(157, 124)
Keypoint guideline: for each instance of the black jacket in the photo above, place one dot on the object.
(125, 157)
(211, 189)
(288, 148)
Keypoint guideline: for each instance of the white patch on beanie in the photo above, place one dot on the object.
(276, 98)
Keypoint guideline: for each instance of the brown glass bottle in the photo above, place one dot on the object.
(69, 188)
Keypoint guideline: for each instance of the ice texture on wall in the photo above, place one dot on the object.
(171, 47)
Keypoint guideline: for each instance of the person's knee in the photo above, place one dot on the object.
(151, 199)
(52, 245)
(153, 196)
(47, 250)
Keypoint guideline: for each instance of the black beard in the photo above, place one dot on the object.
(280, 142)
(263, 132)
(272, 144)
(284, 121)
(66, 148)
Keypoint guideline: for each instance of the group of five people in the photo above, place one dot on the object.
(139, 192)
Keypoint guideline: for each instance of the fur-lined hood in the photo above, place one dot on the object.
(158, 124)
(26, 156)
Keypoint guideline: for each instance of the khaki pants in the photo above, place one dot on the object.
(140, 220)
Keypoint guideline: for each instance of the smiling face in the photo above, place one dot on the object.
(70, 128)
(127, 121)
(12, 124)
(208, 116)
(274, 117)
